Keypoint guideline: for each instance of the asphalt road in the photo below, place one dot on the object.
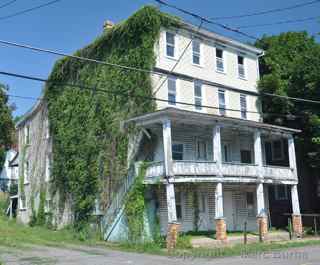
(98, 256)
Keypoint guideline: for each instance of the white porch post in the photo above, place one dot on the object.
(216, 137)
(292, 155)
(295, 200)
(261, 209)
(219, 201)
(167, 146)
(258, 152)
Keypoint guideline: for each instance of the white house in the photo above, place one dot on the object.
(9, 173)
(209, 148)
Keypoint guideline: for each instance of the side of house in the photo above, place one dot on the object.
(9, 173)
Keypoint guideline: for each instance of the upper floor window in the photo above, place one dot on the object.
(241, 68)
(27, 134)
(202, 150)
(198, 95)
(177, 151)
(219, 60)
(243, 106)
(281, 192)
(277, 150)
(222, 102)
(172, 90)
(26, 172)
(196, 52)
(170, 44)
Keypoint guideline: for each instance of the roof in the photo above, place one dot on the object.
(203, 118)
(31, 111)
(221, 39)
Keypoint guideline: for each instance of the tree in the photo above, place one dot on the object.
(6, 124)
(291, 67)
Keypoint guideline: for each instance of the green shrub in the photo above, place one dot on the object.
(184, 242)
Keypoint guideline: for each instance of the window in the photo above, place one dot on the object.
(222, 102)
(243, 106)
(47, 173)
(202, 150)
(196, 52)
(318, 187)
(250, 204)
(277, 150)
(26, 172)
(241, 69)
(172, 90)
(202, 202)
(198, 95)
(177, 151)
(178, 205)
(281, 192)
(245, 156)
(226, 156)
(170, 44)
(27, 134)
(219, 60)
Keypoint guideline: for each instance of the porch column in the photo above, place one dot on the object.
(258, 152)
(216, 137)
(292, 155)
(296, 215)
(221, 227)
(173, 226)
(262, 218)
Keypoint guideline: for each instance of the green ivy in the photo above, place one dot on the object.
(135, 208)
(85, 124)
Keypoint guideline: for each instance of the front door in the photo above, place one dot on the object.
(203, 221)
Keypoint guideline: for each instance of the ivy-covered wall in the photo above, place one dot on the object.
(89, 150)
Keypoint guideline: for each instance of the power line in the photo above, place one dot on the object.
(207, 20)
(29, 9)
(292, 98)
(280, 22)
(29, 47)
(22, 97)
(268, 11)
(8, 3)
(28, 77)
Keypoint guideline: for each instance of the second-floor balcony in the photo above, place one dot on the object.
(187, 146)
(184, 171)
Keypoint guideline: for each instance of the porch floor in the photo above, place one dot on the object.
(207, 242)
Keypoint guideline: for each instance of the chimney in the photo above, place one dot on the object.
(108, 25)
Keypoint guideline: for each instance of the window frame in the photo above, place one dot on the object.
(22, 203)
(26, 172)
(27, 134)
(243, 111)
(177, 143)
(243, 66)
(172, 78)
(251, 211)
(172, 45)
(199, 84)
(196, 53)
(48, 168)
(206, 151)
(222, 111)
(220, 60)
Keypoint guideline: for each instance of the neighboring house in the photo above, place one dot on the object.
(34, 171)
(9, 173)
(210, 164)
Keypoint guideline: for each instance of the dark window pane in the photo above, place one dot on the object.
(246, 156)
(196, 46)
(240, 60)
(172, 99)
(170, 38)
(196, 59)
(219, 53)
(170, 50)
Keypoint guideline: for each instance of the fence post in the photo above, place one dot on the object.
(315, 225)
(260, 231)
(245, 233)
(290, 228)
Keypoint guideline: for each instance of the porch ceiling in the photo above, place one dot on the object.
(180, 116)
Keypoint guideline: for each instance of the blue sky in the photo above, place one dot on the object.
(69, 25)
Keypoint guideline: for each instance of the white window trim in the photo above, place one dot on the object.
(177, 93)
(246, 110)
(48, 169)
(203, 96)
(200, 54)
(183, 149)
(229, 151)
(27, 134)
(46, 207)
(26, 173)
(277, 196)
(225, 101)
(272, 151)
(176, 56)
(223, 60)
(244, 67)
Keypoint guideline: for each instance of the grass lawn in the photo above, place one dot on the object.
(13, 234)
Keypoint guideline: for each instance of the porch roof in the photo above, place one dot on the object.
(192, 117)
